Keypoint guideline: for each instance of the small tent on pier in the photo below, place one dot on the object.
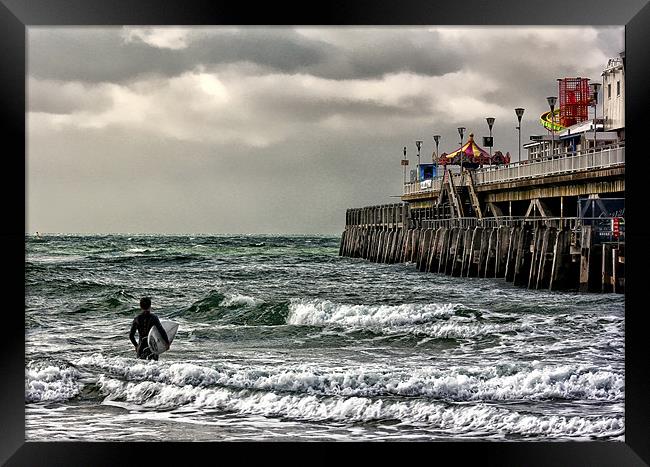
(473, 156)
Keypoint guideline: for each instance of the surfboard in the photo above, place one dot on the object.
(155, 340)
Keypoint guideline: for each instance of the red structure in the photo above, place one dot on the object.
(575, 97)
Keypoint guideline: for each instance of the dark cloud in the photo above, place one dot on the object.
(391, 51)
(91, 54)
(103, 54)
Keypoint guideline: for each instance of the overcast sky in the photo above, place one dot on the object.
(269, 130)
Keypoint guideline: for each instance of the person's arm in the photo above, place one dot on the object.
(162, 331)
(134, 326)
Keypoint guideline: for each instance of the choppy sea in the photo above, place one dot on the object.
(282, 339)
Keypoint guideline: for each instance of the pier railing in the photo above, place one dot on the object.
(611, 156)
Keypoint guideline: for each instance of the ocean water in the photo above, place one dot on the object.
(281, 339)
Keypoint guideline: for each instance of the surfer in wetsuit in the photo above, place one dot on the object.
(143, 324)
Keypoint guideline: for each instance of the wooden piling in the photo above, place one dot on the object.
(456, 265)
(432, 249)
(546, 261)
(562, 262)
(490, 257)
(618, 268)
(535, 255)
(424, 249)
(414, 251)
(389, 246)
(485, 237)
(475, 252)
(451, 254)
(436, 261)
(399, 245)
(589, 262)
(503, 236)
(606, 268)
(513, 241)
(444, 250)
(522, 260)
(467, 249)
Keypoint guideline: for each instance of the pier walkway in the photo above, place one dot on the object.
(569, 174)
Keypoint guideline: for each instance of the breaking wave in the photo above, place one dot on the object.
(51, 383)
(459, 419)
(501, 383)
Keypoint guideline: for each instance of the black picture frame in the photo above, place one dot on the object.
(16, 15)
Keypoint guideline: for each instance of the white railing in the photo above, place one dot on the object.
(568, 163)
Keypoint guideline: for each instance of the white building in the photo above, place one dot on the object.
(614, 95)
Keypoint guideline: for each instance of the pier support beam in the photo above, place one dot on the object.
(503, 236)
(474, 253)
(562, 262)
(513, 240)
(589, 262)
(425, 243)
(491, 253)
(606, 268)
(459, 247)
(522, 258)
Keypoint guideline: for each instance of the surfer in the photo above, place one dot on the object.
(143, 323)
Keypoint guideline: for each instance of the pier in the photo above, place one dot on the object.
(541, 224)
(554, 221)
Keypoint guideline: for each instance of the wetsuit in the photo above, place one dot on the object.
(143, 323)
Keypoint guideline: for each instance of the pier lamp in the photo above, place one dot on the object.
(520, 113)
(551, 103)
(405, 162)
(461, 130)
(490, 122)
(594, 101)
(418, 144)
(436, 139)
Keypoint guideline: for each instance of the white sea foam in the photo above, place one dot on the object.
(235, 299)
(320, 312)
(433, 320)
(51, 383)
(507, 382)
(463, 419)
(122, 367)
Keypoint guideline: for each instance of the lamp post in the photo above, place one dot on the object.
(551, 103)
(418, 144)
(405, 162)
(461, 130)
(436, 138)
(490, 122)
(594, 100)
(520, 113)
